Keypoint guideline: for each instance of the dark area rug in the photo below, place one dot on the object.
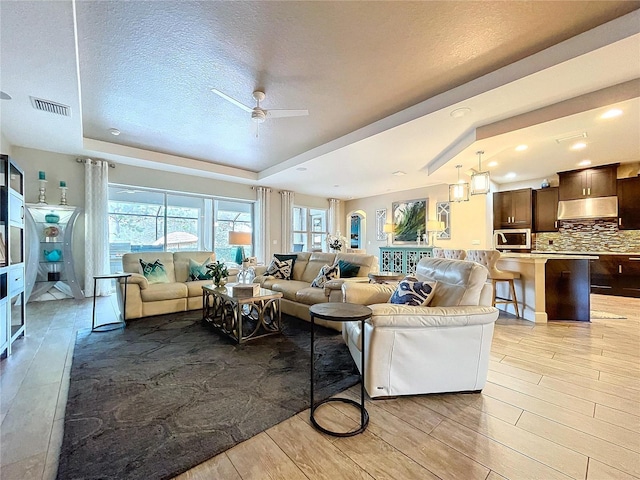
(168, 392)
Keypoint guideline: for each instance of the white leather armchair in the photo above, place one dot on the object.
(443, 347)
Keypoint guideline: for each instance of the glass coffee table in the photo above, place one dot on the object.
(242, 318)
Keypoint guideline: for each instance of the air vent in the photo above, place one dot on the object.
(51, 107)
(571, 137)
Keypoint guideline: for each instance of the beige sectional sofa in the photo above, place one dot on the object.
(298, 294)
(179, 295)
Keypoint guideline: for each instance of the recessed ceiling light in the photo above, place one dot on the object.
(584, 163)
(521, 148)
(4, 95)
(460, 112)
(336, 186)
(578, 146)
(301, 169)
(398, 173)
(492, 164)
(614, 112)
(114, 131)
(510, 175)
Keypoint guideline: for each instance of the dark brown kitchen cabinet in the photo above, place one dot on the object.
(589, 182)
(616, 275)
(512, 209)
(629, 203)
(545, 210)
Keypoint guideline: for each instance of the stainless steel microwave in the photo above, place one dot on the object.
(512, 239)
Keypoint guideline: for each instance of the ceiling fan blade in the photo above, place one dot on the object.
(232, 100)
(286, 113)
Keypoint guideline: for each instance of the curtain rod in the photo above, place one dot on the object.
(83, 160)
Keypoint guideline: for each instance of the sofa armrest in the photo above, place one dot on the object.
(405, 316)
(366, 293)
(137, 279)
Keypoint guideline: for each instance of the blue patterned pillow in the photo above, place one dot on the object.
(280, 269)
(326, 273)
(199, 271)
(410, 291)
(154, 272)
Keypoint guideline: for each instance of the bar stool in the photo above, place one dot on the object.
(489, 258)
(455, 254)
(437, 252)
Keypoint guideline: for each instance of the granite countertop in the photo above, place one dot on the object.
(548, 256)
(570, 252)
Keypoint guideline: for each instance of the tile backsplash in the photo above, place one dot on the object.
(600, 235)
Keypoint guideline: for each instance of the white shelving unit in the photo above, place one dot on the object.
(49, 250)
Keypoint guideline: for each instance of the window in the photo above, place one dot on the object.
(309, 229)
(143, 219)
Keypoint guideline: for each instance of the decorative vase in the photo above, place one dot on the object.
(52, 217)
(51, 231)
(220, 282)
(52, 255)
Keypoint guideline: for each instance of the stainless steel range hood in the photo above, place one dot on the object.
(598, 207)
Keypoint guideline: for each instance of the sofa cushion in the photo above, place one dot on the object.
(317, 260)
(181, 262)
(194, 289)
(311, 296)
(287, 256)
(131, 262)
(199, 271)
(347, 269)
(366, 262)
(410, 291)
(280, 269)
(326, 273)
(154, 272)
(163, 291)
(459, 282)
(288, 288)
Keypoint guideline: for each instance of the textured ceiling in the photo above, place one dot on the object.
(148, 71)
(379, 80)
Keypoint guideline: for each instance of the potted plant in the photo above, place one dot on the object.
(218, 272)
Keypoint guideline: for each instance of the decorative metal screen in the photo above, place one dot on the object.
(443, 214)
(381, 219)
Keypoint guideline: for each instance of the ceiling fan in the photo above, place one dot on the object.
(259, 114)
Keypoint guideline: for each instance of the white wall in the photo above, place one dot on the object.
(5, 146)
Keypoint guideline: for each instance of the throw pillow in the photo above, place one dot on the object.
(199, 271)
(348, 270)
(154, 272)
(280, 269)
(284, 256)
(410, 291)
(326, 273)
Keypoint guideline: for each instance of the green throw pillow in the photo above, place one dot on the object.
(348, 270)
(154, 272)
(199, 271)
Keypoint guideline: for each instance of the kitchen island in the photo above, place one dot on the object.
(551, 286)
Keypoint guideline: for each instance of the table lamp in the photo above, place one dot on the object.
(388, 229)
(434, 226)
(240, 239)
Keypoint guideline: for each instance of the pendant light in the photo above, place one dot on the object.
(480, 180)
(459, 192)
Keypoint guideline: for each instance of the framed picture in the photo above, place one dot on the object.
(443, 214)
(409, 220)
(381, 219)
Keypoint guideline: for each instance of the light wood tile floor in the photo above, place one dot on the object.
(562, 401)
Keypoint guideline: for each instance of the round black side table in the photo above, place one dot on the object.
(105, 327)
(340, 312)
